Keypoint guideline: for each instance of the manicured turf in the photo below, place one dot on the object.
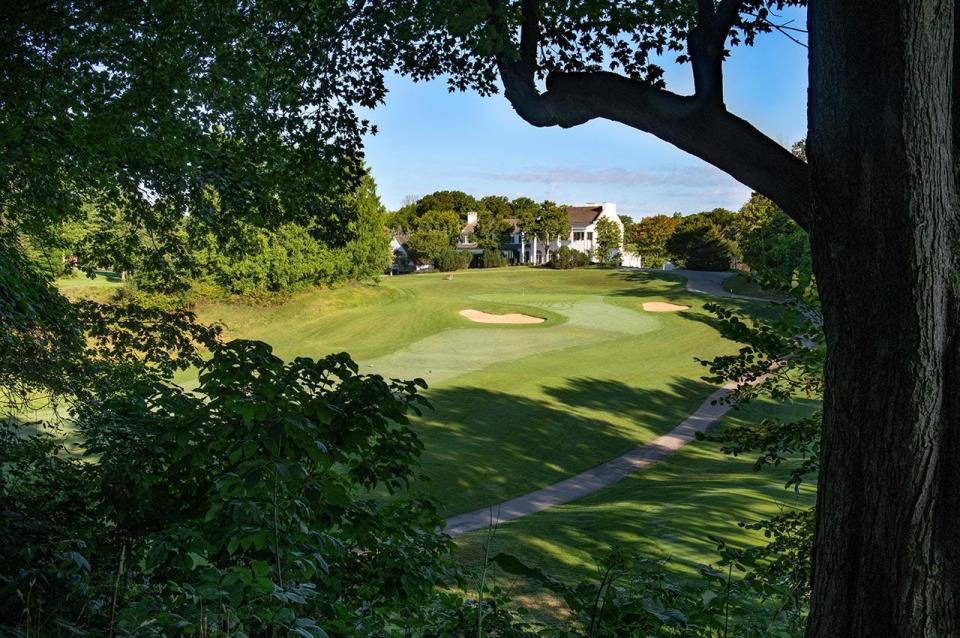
(101, 278)
(668, 510)
(516, 407)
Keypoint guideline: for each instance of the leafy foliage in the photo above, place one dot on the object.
(459, 38)
(650, 235)
(782, 358)
(293, 256)
(244, 507)
(565, 258)
(450, 260)
(51, 349)
(772, 243)
(609, 240)
(632, 596)
(493, 258)
(548, 222)
(704, 241)
(169, 101)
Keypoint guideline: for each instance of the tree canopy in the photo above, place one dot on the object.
(650, 235)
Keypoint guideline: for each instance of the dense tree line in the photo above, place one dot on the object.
(252, 261)
(433, 225)
(759, 236)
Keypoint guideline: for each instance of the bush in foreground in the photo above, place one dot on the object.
(241, 509)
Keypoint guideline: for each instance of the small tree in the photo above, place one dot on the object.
(450, 260)
(444, 221)
(546, 223)
(493, 259)
(650, 236)
(772, 242)
(700, 244)
(608, 242)
(427, 246)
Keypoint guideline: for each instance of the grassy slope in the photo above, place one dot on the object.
(516, 407)
(666, 510)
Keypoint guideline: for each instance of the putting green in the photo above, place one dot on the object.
(456, 351)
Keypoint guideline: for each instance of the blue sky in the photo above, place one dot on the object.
(430, 140)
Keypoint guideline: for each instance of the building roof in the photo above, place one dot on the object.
(469, 229)
(583, 215)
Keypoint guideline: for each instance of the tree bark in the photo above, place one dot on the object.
(885, 235)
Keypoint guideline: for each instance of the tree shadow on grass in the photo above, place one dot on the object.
(483, 447)
(634, 403)
(671, 509)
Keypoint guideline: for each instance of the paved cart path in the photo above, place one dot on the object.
(606, 474)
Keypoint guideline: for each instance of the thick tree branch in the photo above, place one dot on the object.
(699, 124)
(705, 130)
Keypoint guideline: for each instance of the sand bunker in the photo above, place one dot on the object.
(663, 306)
(485, 317)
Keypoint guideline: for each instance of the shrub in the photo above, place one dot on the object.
(451, 260)
(565, 258)
(493, 259)
(242, 509)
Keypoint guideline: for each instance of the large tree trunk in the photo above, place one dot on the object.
(886, 244)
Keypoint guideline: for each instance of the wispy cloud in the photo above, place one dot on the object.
(687, 178)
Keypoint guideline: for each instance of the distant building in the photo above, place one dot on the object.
(520, 249)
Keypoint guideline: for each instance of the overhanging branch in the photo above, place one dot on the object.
(698, 124)
(707, 131)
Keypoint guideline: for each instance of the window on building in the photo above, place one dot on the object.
(589, 236)
(578, 236)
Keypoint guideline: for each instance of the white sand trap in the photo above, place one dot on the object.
(663, 306)
(485, 317)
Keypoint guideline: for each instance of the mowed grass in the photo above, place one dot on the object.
(668, 510)
(516, 407)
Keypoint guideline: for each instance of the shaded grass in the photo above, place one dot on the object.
(741, 284)
(516, 407)
(670, 509)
